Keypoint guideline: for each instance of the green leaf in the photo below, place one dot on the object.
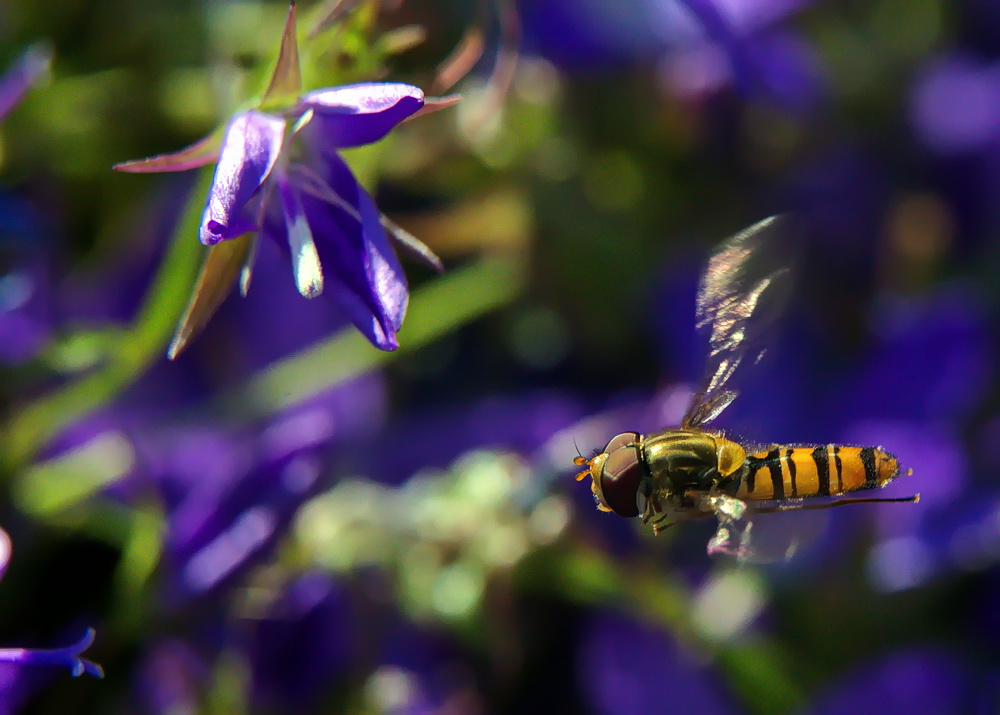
(66, 481)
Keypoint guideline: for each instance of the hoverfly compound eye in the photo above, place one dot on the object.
(621, 478)
(622, 440)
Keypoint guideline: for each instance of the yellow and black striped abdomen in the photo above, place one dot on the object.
(824, 470)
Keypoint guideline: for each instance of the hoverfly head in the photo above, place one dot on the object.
(616, 475)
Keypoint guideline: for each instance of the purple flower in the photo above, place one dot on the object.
(278, 173)
(627, 667)
(68, 656)
(925, 680)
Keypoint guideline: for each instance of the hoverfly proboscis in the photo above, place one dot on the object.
(690, 472)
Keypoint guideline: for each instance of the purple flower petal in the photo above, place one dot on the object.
(68, 656)
(360, 114)
(250, 148)
(355, 251)
(351, 292)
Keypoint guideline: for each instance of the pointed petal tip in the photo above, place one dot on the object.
(387, 344)
(435, 104)
(286, 81)
(177, 345)
(89, 636)
(203, 152)
(81, 666)
(411, 245)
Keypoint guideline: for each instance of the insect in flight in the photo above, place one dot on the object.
(690, 472)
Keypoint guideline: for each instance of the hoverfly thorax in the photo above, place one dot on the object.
(692, 459)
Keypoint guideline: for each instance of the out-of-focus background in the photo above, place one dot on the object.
(287, 520)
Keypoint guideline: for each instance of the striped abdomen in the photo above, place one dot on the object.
(825, 470)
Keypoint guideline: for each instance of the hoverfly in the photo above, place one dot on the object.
(690, 472)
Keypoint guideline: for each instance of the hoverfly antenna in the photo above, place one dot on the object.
(580, 460)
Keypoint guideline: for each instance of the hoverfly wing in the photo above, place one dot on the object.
(742, 291)
(705, 409)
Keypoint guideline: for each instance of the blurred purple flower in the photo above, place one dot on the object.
(931, 360)
(171, 679)
(25, 312)
(24, 319)
(26, 72)
(918, 681)
(626, 667)
(929, 369)
(436, 437)
(711, 44)
(426, 673)
(279, 173)
(229, 496)
(703, 45)
(303, 644)
(955, 105)
(588, 35)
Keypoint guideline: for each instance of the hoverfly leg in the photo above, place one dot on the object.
(719, 543)
(730, 512)
(745, 552)
(652, 508)
(724, 542)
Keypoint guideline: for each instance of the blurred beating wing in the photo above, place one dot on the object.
(741, 293)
